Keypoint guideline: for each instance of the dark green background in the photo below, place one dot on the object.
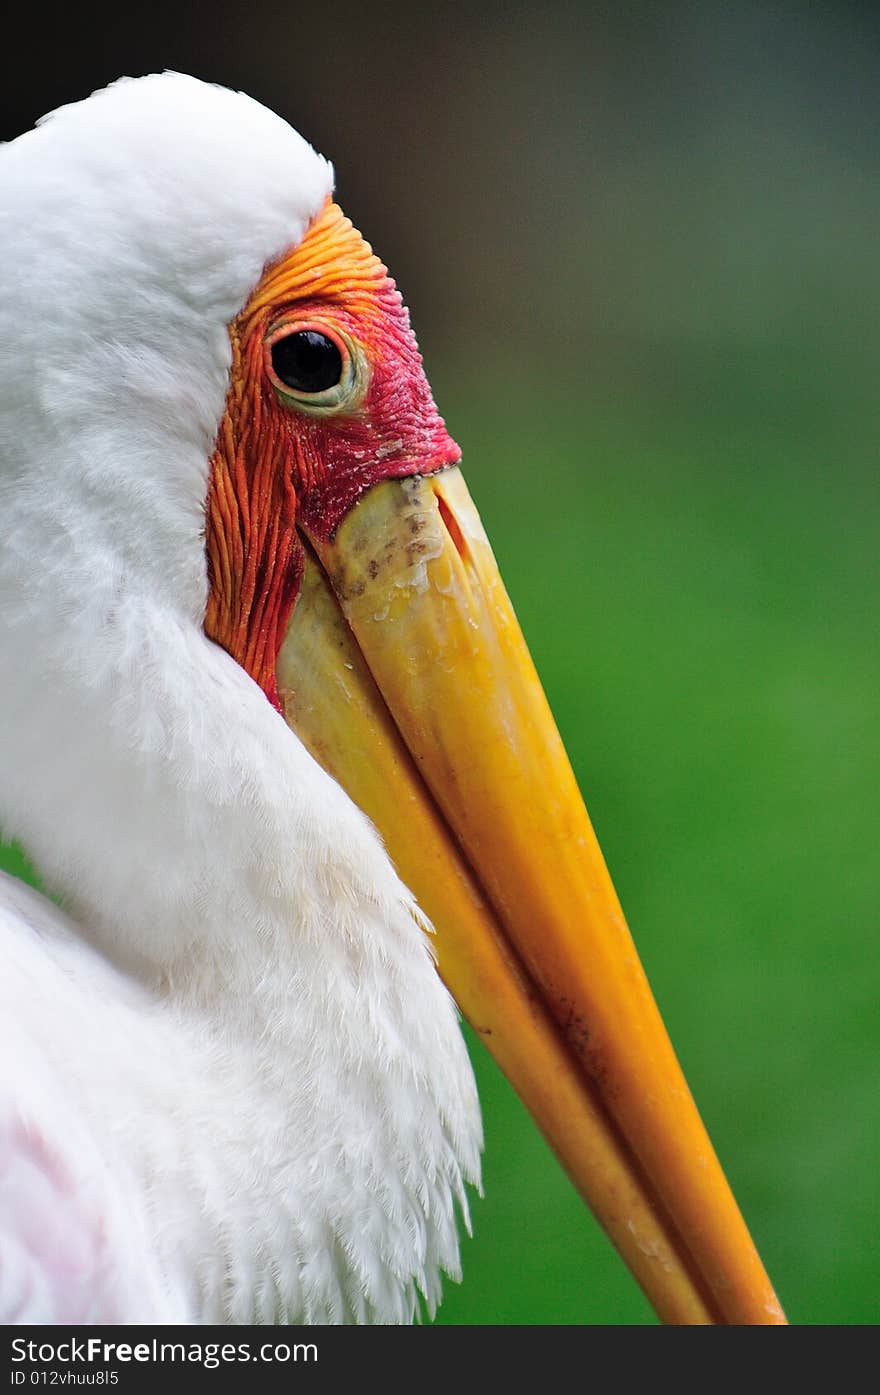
(640, 245)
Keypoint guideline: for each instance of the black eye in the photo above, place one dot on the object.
(307, 361)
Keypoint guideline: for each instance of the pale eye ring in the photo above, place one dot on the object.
(314, 367)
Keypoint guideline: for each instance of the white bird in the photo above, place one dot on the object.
(232, 1085)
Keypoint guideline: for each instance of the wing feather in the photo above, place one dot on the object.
(71, 1244)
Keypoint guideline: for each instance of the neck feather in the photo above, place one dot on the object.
(301, 1065)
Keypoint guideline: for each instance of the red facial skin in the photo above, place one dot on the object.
(396, 431)
(279, 465)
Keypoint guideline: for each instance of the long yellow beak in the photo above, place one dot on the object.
(405, 673)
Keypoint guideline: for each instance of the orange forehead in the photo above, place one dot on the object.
(332, 263)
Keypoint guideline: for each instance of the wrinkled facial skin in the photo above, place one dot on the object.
(285, 460)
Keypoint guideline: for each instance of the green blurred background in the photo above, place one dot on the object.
(640, 247)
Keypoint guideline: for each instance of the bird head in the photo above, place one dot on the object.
(296, 495)
(327, 398)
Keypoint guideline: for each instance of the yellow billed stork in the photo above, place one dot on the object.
(249, 617)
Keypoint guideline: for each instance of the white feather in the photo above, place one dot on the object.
(234, 1068)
